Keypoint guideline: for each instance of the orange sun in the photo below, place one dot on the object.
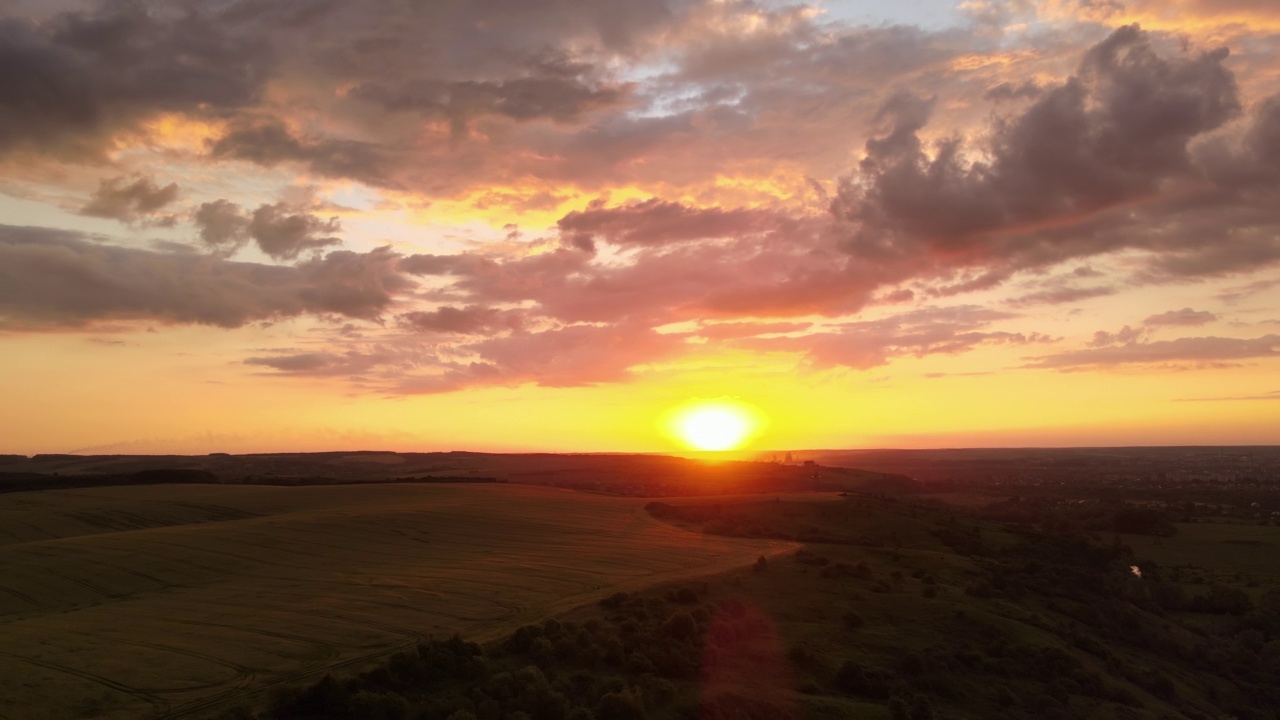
(715, 425)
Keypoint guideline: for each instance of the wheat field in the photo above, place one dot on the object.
(175, 601)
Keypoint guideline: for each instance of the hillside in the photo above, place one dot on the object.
(167, 600)
(899, 611)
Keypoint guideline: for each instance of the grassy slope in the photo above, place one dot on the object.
(133, 602)
(905, 611)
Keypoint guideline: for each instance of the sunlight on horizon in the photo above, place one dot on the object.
(715, 425)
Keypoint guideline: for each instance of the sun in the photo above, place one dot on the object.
(714, 426)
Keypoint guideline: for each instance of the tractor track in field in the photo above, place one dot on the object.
(143, 695)
(18, 594)
(329, 651)
(90, 586)
(241, 671)
(297, 676)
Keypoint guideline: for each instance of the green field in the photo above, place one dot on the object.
(1221, 549)
(168, 601)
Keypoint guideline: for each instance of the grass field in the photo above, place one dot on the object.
(170, 601)
(1221, 549)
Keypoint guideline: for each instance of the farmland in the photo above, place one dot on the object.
(173, 600)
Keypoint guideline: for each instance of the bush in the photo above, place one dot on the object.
(680, 626)
(615, 600)
(685, 596)
(851, 679)
(1142, 521)
(625, 705)
(1221, 600)
(379, 706)
(522, 639)
(761, 564)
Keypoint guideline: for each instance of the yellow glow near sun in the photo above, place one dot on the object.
(714, 425)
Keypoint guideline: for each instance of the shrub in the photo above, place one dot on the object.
(615, 600)
(625, 705)
(522, 639)
(1221, 600)
(686, 596)
(680, 626)
(379, 706)
(852, 679)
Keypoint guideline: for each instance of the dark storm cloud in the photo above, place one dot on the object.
(51, 279)
(1185, 317)
(129, 202)
(268, 142)
(1182, 351)
(557, 95)
(67, 83)
(1114, 133)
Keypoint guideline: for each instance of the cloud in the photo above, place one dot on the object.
(1273, 395)
(656, 222)
(1192, 350)
(1236, 294)
(1060, 295)
(131, 202)
(570, 356)
(282, 230)
(1183, 317)
(222, 225)
(1126, 335)
(735, 330)
(57, 279)
(868, 344)
(555, 89)
(1038, 191)
(68, 83)
(473, 319)
(268, 142)
(984, 166)
(1008, 92)
(565, 356)
(309, 363)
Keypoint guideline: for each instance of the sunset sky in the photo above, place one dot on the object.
(252, 225)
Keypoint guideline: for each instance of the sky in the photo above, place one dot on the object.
(505, 225)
